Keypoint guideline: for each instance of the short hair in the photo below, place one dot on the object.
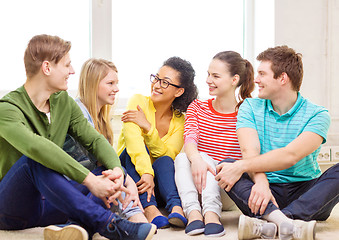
(44, 48)
(285, 59)
(186, 77)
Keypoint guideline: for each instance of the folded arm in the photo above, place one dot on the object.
(260, 193)
(275, 160)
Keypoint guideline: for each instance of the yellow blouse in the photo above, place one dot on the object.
(134, 139)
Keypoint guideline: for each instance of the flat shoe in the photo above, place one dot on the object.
(214, 230)
(178, 220)
(161, 222)
(195, 227)
(68, 232)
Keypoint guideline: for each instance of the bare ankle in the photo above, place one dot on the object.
(177, 209)
(195, 215)
(138, 218)
(211, 217)
(151, 212)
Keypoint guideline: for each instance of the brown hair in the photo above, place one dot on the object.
(238, 65)
(41, 48)
(285, 59)
(92, 72)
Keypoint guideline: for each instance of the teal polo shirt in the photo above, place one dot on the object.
(277, 131)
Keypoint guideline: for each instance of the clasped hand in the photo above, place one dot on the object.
(228, 174)
(107, 187)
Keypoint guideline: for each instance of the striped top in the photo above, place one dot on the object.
(277, 131)
(213, 132)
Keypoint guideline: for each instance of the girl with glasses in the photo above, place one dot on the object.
(152, 136)
(210, 136)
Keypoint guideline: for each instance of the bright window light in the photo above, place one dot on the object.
(22, 19)
(146, 33)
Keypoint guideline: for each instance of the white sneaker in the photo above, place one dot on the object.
(297, 230)
(69, 232)
(251, 228)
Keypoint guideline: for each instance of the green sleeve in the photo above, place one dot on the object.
(93, 141)
(14, 130)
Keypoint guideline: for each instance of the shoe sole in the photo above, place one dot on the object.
(241, 227)
(216, 234)
(195, 231)
(310, 231)
(176, 222)
(71, 232)
(151, 232)
(312, 227)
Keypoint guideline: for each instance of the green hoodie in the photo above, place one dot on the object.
(24, 130)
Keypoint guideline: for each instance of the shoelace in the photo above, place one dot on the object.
(125, 226)
(113, 228)
(257, 228)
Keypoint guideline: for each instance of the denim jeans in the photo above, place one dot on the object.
(308, 200)
(33, 195)
(163, 179)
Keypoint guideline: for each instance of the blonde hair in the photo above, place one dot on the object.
(92, 72)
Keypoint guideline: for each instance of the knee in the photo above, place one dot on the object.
(229, 160)
(336, 167)
(25, 159)
(98, 170)
(163, 160)
(181, 161)
(124, 157)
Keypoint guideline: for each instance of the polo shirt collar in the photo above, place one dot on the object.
(291, 111)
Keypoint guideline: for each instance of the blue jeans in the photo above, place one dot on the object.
(163, 179)
(33, 195)
(308, 200)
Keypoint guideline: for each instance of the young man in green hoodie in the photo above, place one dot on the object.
(34, 121)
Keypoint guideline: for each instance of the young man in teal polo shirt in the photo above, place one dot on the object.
(34, 121)
(280, 135)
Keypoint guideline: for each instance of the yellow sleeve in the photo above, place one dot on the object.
(171, 144)
(133, 136)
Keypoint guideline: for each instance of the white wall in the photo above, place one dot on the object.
(311, 27)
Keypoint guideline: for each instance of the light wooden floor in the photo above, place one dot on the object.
(328, 230)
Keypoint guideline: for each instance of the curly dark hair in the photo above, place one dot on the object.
(186, 78)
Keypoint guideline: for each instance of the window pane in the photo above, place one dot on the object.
(22, 19)
(145, 33)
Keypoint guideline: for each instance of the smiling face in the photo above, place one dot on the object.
(267, 84)
(59, 74)
(107, 89)
(159, 94)
(219, 79)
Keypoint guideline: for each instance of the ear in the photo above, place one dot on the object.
(235, 80)
(46, 67)
(179, 92)
(284, 79)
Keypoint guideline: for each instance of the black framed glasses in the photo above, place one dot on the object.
(163, 82)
